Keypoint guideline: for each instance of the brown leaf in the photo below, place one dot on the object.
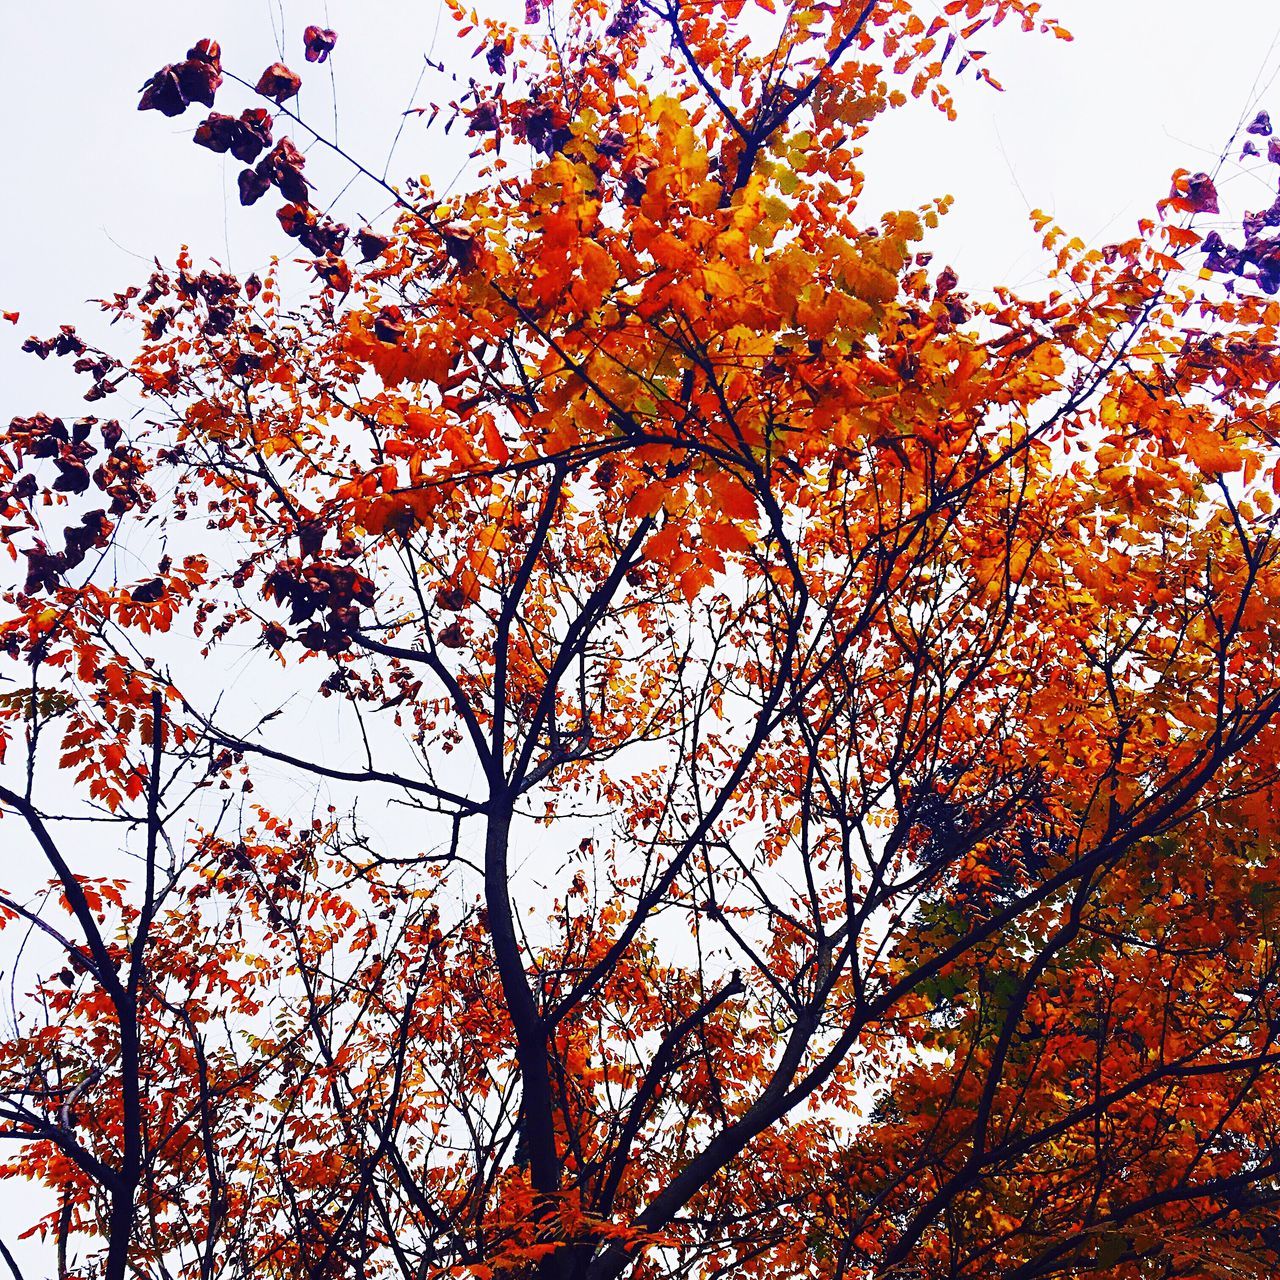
(1202, 195)
(295, 219)
(278, 83)
(372, 245)
(216, 131)
(199, 80)
(163, 93)
(283, 167)
(148, 592)
(253, 184)
(293, 186)
(459, 244)
(252, 134)
(388, 326)
(311, 536)
(484, 119)
(73, 476)
(451, 597)
(318, 42)
(334, 271)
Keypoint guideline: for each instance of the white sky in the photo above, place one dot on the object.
(1089, 131)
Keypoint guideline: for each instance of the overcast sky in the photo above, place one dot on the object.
(1089, 131)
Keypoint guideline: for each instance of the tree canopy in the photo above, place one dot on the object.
(813, 750)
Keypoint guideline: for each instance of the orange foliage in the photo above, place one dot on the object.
(837, 714)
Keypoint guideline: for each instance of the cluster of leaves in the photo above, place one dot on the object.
(175, 87)
(1257, 259)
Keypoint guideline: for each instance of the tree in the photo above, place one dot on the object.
(834, 716)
